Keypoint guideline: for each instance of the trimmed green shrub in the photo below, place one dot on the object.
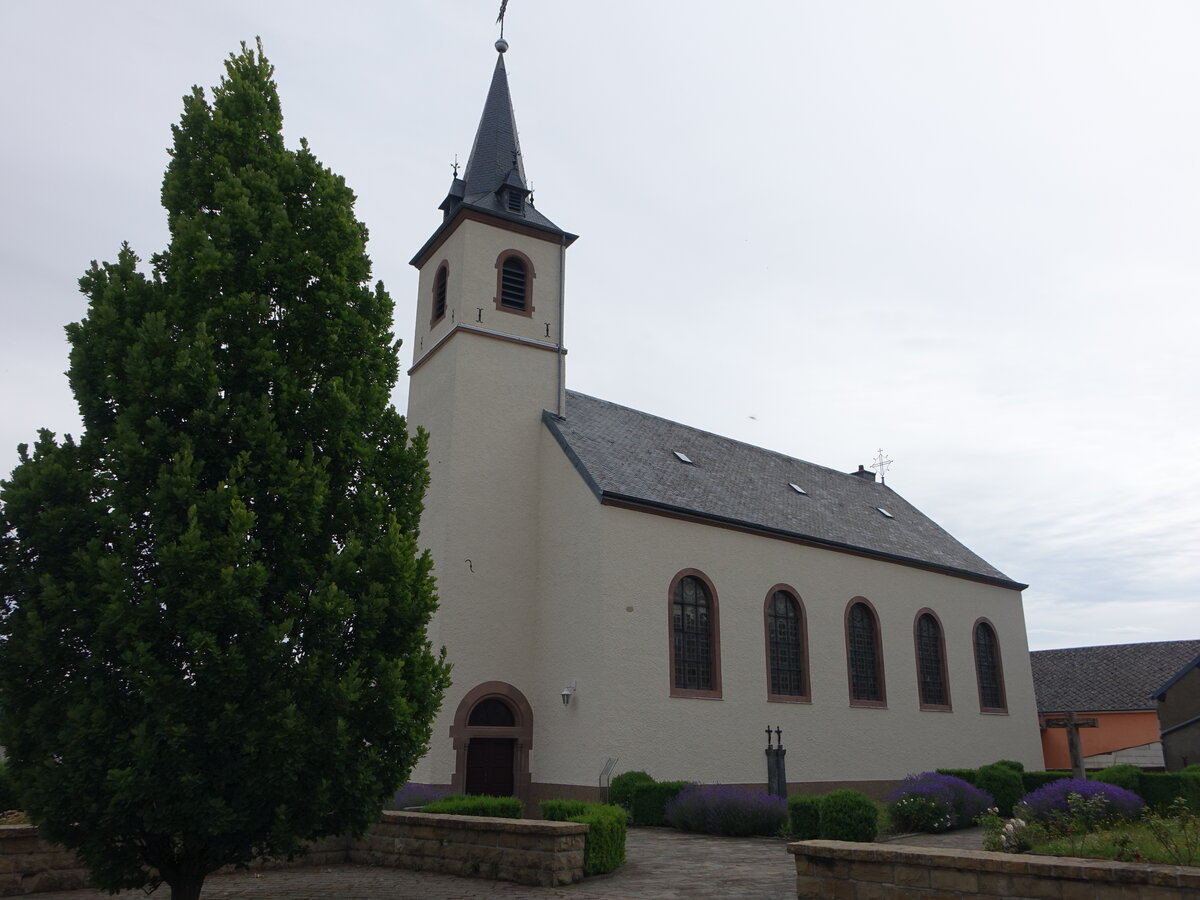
(1190, 780)
(649, 801)
(1011, 763)
(967, 775)
(1003, 783)
(804, 817)
(562, 810)
(8, 790)
(848, 816)
(1031, 781)
(1159, 789)
(620, 790)
(500, 807)
(1128, 777)
(1193, 769)
(604, 847)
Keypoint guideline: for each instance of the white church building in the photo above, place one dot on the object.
(616, 585)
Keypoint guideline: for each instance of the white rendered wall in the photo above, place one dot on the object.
(617, 639)
(481, 397)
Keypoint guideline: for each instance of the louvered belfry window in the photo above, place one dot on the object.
(691, 615)
(987, 668)
(514, 283)
(930, 662)
(785, 643)
(865, 680)
(439, 292)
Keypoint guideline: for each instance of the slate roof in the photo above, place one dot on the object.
(1109, 678)
(628, 456)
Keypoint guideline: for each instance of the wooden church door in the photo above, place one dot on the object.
(491, 761)
(490, 766)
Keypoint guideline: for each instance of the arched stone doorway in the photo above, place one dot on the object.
(492, 735)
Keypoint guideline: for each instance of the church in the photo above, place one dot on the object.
(617, 586)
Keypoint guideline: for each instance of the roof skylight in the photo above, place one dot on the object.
(885, 512)
(797, 488)
(682, 457)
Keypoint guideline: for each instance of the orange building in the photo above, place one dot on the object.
(1115, 685)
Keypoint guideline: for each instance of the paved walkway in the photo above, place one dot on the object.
(662, 865)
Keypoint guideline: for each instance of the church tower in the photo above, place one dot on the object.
(488, 359)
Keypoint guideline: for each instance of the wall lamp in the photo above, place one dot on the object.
(567, 692)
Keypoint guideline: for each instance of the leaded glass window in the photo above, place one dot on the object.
(691, 617)
(785, 642)
(931, 669)
(987, 667)
(866, 681)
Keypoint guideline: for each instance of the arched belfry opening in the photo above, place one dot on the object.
(492, 735)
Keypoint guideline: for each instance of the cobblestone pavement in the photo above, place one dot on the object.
(662, 864)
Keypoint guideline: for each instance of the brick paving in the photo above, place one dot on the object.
(662, 865)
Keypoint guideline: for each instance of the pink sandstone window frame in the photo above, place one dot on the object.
(714, 637)
(805, 696)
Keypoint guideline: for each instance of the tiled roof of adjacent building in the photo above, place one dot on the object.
(1109, 678)
(630, 457)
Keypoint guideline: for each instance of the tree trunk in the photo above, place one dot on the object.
(187, 888)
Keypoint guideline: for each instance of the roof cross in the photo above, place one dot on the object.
(880, 465)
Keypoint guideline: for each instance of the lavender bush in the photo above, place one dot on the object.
(933, 802)
(413, 794)
(1051, 803)
(723, 809)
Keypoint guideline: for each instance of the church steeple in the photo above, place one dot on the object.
(495, 162)
(494, 181)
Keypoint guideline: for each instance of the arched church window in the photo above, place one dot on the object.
(514, 283)
(440, 282)
(931, 662)
(864, 655)
(988, 668)
(786, 647)
(695, 656)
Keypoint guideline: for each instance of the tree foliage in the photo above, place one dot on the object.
(213, 645)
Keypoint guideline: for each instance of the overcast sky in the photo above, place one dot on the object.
(965, 233)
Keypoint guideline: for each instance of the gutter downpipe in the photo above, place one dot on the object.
(562, 296)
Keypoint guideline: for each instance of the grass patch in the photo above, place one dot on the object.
(1128, 843)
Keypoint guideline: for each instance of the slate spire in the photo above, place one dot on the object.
(493, 182)
(495, 159)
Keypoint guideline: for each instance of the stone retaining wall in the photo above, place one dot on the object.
(520, 850)
(837, 870)
(29, 865)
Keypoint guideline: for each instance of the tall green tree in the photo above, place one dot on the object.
(213, 646)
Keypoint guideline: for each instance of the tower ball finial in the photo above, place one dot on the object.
(501, 45)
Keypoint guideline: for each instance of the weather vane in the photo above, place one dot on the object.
(500, 18)
(881, 465)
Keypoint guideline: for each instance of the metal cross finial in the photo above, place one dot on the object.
(881, 465)
(454, 165)
(500, 18)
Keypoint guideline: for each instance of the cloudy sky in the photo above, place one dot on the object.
(965, 233)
